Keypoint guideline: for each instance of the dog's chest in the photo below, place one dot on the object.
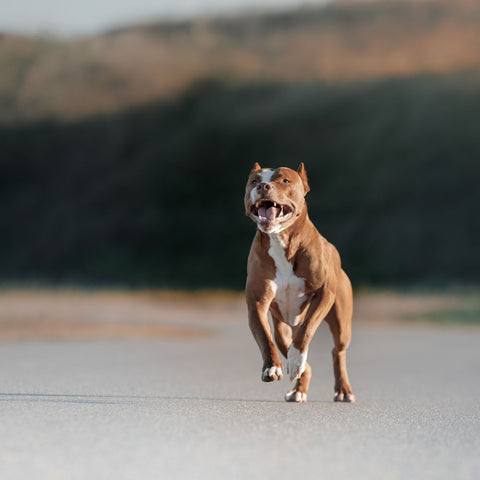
(289, 289)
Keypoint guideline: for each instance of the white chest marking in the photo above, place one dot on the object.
(288, 288)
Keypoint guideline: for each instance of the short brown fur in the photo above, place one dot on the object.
(327, 288)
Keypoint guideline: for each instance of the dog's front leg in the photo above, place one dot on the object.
(258, 321)
(320, 305)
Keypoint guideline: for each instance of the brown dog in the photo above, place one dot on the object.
(296, 275)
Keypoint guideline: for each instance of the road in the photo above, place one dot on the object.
(195, 408)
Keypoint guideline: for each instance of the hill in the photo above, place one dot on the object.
(123, 157)
(48, 77)
(154, 196)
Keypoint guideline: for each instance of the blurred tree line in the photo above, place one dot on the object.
(154, 196)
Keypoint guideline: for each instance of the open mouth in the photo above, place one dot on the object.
(268, 211)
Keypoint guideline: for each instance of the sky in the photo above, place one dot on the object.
(84, 17)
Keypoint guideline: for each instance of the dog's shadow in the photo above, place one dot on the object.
(104, 399)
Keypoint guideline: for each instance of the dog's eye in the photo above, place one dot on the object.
(254, 182)
(286, 180)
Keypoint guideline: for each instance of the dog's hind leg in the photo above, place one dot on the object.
(339, 320)
(283, 339)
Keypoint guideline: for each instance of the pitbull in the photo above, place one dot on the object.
(295, 275)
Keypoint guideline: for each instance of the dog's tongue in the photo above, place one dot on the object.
(268, 213)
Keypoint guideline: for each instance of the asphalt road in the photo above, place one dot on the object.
(196, 409)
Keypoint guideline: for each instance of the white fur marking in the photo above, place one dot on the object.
(296, 362)
(266, 177)
(274, 373)
(289, 289)
(347, 398)
(298, 397)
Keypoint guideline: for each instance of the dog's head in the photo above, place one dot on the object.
(275, 198)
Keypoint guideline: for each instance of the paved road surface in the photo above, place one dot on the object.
(196, 409)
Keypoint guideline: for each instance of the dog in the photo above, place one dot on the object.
(294, 274)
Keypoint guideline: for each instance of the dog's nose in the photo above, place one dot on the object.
(264, 186)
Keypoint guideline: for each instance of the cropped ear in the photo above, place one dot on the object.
(303, 175)
(256, 167)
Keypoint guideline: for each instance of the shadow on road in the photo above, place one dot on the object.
(119, 399)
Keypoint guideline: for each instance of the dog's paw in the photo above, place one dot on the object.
(295, 396)
(272, 374)
(296, 362)
(344, 397)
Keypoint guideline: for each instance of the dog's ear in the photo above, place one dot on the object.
(256, 167)
(303, 175)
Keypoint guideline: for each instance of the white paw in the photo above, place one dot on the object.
(345, 398)
(296, 362)
(293, 396)
(271, 374)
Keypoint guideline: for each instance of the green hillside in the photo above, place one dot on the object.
(155, 195)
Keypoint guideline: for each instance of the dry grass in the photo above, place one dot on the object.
(27, 315)
(342, 43)
(80, 315)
